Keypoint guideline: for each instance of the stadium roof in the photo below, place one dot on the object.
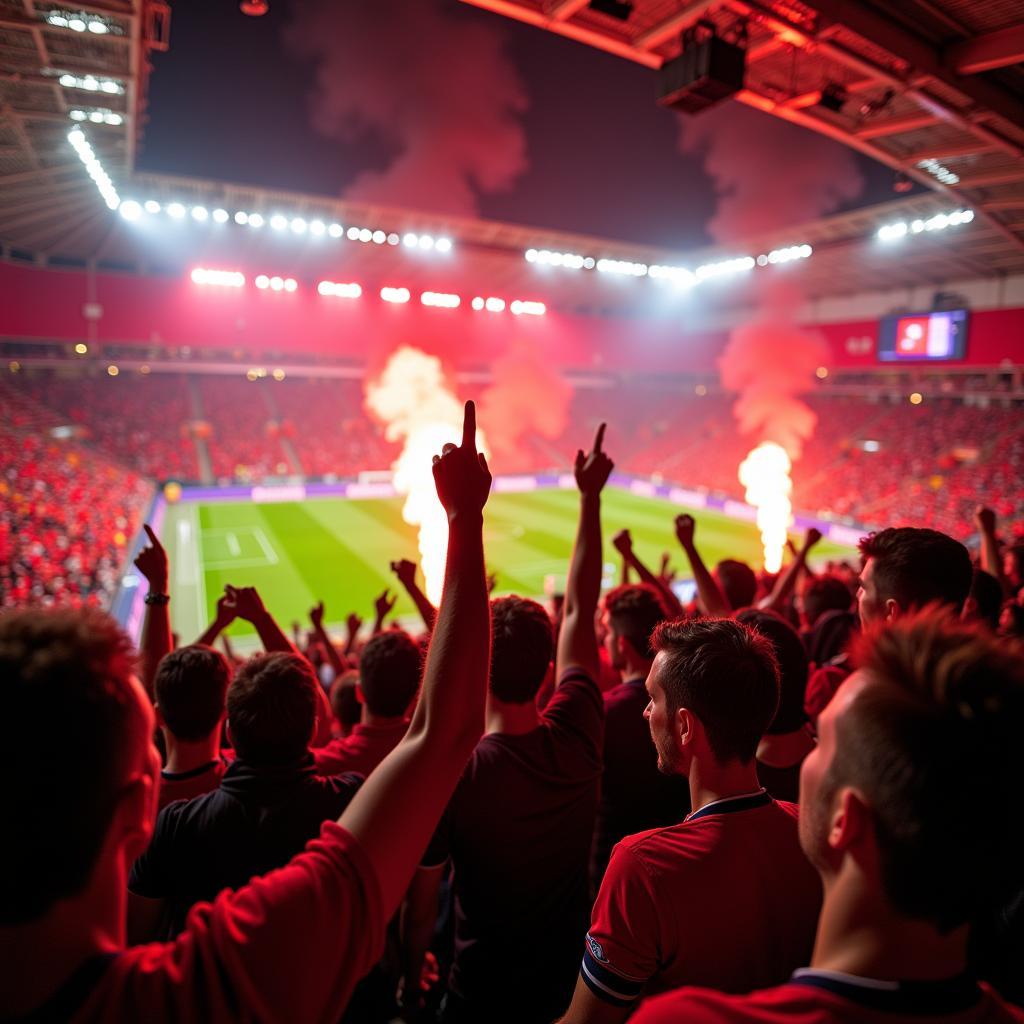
(50, 210)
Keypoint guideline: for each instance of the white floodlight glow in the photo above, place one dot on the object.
(220, 216)
(130, 210)
(937, 222)
(290, 284)
(397, 295)
(519, 307)
(627, 267)
(441, 300)
(380, 237)
(256, 220)
(426, 242)
(152, 206)
(443, 245)
(77, 115)
(96, 116)
(336, 230)
(223, 278)
(276, 284)
(298, 225)
(676, 275)
(493, 305)
(724, 267)
(351, 290)
(241, 217)
(410, 240)
(56, 19)
(531, 255)
(365, 235)
(98, 27)
(393, 239)
(200, 213)
(317, 227)
(478, 303)
(76, 24)
(262, 282)
(352, 234)
(278, 222)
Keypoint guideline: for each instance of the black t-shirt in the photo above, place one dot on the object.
(255, 822)
(635, 796)
(518, 830)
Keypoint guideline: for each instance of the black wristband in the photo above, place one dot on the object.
(152, 598)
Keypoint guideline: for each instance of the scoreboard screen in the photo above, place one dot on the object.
(915, 337)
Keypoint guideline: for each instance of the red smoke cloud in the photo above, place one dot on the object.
(436, 85)
(527, 396)
(770, 177)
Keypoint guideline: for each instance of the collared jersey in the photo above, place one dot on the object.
(725, 899)
(289, 946)
(190, 784)
(362, 750)
(829, 997)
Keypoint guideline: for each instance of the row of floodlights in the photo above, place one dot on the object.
(92, 83)
(677, 275)
(132, 209)
(98, 115)
(939, 222)
(81, 21)
(94, 168)
(352, 290)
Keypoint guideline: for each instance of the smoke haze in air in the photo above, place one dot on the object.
(437, 88)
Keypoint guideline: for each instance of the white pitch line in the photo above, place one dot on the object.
(268, 549)
(233, 546)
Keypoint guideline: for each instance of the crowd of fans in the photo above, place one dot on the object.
(797, 798)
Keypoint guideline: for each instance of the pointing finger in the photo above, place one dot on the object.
(469, 427)
(151, 535)
(599, 437)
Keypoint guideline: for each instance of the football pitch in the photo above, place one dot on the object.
(338, 550)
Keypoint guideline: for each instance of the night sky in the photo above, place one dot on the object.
(232, 101)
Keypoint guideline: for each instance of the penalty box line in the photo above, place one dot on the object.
(270, 556)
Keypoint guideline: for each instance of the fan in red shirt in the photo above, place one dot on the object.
(726, 898)
(912, 813)
(389, 676)
(290, 946)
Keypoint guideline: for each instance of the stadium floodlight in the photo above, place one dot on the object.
(222, 278)
(220, 216)
(96, 116)
(440, 300)
(256, 220)
(262, 282)
(77, 115)
(335, 230)
(317, 227)
(410, 240)
(626, 267)
(519, 307)
(290, 284)
(130, 210)
(493, 305)
(725, 267)
(426, 242)
(365, 235)
(98, 27)
(77, 24)
(56, 19)
(298, 225)
(380, 237)
(396, 295)
(443, 245)
(241, 217)
(352, 234)
(278, 222)
(152, 206)
(478, 303)
(394, 239)
(200, 213)
(277, 284)
(351, 290)
(176, 210)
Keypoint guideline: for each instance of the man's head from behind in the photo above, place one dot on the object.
(70, 676)
(631, 613)
(906, 568)
(190, 688)
(825, 593)
(914, 791)
(272, 706)
(738, 582)
(521, 648)
(390, 667)
(714, 690)
(793, 667)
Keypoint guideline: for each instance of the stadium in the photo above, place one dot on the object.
(256, 260)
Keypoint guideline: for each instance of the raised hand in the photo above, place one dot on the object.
(685, 527)
(226, 612)
(353, 624)
(461, 475)
(984, 519)
(316, 615)
(623, 543)
(152, 563)
(383, 605)
(666, 574)
(405, 571)
(811, 537)
(593, 469)
(245, 602)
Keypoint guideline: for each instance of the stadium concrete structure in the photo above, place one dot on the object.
(249, 281)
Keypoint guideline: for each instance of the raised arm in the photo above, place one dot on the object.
(223, 618)
(352, 626)
(711, 597)
(413, 783)
(156, 627)
(785, 583)
(577, 639)
(316, 618)
(406, 573)
(623, 543)
(985, 520)
(382, 609)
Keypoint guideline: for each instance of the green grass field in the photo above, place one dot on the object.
(338, 550)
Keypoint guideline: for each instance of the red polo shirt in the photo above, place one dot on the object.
(828, 997)
(725, 899)
(362, 750)
(289, 946)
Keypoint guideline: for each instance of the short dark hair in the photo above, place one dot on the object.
(738, 582)
(68, 672)
(935, 731)
(825, 593)
(727, 674)
(344, 701)
(634, 610)
(190, 687)
(915, 566)
(272, 707)
(520, 649)
(793, 666)
(390, 667)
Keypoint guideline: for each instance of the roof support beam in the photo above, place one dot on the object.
(895, 125)
(951, 151)
(987, 52)
(562, 10)
(686, 17)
